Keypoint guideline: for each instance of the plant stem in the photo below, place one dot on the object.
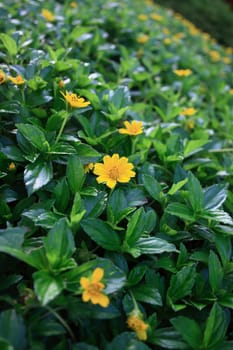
(62, 127)
(62, 321)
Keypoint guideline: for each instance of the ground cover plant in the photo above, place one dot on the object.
(116, 179)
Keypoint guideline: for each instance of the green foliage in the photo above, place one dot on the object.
(80, 257)
(214, 17)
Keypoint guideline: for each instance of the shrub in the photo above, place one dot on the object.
(214, 17)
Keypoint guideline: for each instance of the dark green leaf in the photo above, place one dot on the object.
(147, 294)
(214, 196)
(189, 330)
(153, 187)
(34, 135)
(216, 327)
(180, 210)
(47, 287)
(75, 174)
(102, 234)
(59, 245)
(13, 330)
(37, 175)
(195, 193)
(215, 272)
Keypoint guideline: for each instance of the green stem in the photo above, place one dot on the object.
(134, 141)
(62, 321)
(62, 127)
(222, 150)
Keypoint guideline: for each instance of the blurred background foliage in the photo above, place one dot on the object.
(212, 16)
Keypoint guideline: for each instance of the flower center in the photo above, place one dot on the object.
(113, 173)
(94, 288)
(74, 98)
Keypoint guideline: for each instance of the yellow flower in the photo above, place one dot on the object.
(190, 124)
(167, 41)
(231, 91)
(17, 80)
(142, 39)
(113, 170)
(88, 167)
(11, 166)
(73, 4)
(48, 15)
(92, 288)
(226, 60)
(214, 55)
(183, 72)
(61, 84)
(166, 31)
(74, 100)
(143, 17)
(134, 128)
(138, 325)
(2, 77)
(156, 17)
(189, 111)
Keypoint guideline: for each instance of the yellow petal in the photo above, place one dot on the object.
(84, 282)
(97, 275)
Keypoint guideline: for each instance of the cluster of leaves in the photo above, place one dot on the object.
(214, 17)
(163, 239)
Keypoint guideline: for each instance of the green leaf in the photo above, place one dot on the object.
(147, 294)
(215, 329)
(34, 135)
(12, 329)
(177, 186)
(153, 187)
(189, 330)
(9, 44)
(151, 245)
(195, 193)
(181, 284)
(126, 341)
(194, 146)
(87, 153)
(75, 173)
(37, 175)
(215, 272)
(47, 287)
(102, 234)
(135, 227)
(168, 338)
(62, 195)
(117, 208)
(136, 274)
(59, 246)
(180, 210)
(214, 196)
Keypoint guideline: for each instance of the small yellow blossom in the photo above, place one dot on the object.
(73, 4)
(189, 111)
(149, 2)
(143, 17)
(226, 60)
(48, 15)
(166, 31)
(179, 36)
(156, 17)
(11, 166)
(92, 288)
(2, 77)
(229, 50)
(135, 323)
(134, 128)
(231, 91)
(17, 80)
(183, 72)
(74, 100)
(167, 41)
(61, 84)
(88, 167)
(143, 38)
(114, 169)
(190, 124)
(214, 55)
